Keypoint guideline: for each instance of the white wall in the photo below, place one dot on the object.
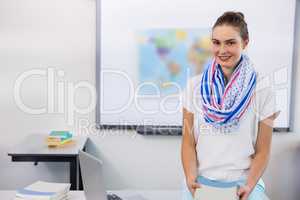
(38, 34)
(66, 41)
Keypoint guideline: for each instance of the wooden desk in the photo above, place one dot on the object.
(34, 149)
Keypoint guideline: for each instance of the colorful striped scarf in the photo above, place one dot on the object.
(225, 104)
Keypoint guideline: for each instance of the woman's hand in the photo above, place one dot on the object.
(244, 192)
(192, 185)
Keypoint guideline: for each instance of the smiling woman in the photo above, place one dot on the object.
(229, 38)
(227, 123)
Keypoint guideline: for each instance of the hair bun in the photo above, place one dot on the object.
(232, 14)
(241, 15)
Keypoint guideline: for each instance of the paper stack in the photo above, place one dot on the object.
(41, 190)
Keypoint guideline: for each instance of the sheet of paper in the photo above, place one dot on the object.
(214, 193)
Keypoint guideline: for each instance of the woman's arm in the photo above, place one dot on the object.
(261, 157)
(188, 151)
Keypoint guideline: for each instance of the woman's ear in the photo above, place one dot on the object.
(245, 43)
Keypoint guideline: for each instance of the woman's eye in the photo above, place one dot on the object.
(216, 42)
(230, 43)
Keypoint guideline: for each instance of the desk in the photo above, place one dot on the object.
(125, 194)
(149, 194)
(10, 195)
(34, 149)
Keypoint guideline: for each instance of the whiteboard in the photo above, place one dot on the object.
(271, 31)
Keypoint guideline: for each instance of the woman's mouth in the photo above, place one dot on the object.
(224, 58)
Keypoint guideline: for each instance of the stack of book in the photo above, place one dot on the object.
(41, 190)
(59, 138)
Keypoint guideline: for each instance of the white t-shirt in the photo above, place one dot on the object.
(227, 156)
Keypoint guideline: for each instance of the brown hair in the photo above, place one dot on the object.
(235, 19)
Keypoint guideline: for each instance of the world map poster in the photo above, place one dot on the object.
(169, 57)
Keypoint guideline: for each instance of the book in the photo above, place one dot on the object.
(61, 134)
(63, 197)
(53, 142)
(41, 190)
(58, 138)
(214, 193)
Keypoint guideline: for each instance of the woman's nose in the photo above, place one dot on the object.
(222, 49)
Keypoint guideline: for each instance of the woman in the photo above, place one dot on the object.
(227, 127)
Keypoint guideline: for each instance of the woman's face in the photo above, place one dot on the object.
(227, 45)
